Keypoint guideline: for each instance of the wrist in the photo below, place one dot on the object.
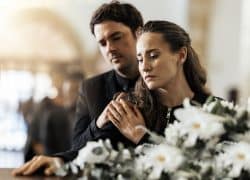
(58, 162)
(98, 124)
(139, 133)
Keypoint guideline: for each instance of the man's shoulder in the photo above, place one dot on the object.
(100, 78)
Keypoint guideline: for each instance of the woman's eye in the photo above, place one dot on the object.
(153, 55)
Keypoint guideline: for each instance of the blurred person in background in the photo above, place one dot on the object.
(71, 87)
(233, 95)
(49, 130)
(51, 126)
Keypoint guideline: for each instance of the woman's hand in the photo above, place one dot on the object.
(126, 117)
(51, 164)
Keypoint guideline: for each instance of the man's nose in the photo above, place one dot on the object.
(110, 47)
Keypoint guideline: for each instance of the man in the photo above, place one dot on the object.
(114, 26)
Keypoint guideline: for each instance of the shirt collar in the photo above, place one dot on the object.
(124, 83)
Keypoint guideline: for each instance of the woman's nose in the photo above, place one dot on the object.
(146, 66)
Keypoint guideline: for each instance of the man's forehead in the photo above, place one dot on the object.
(108, 28)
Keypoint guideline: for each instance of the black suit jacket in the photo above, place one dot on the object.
(95, 94)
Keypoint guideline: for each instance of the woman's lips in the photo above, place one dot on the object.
(149, 77)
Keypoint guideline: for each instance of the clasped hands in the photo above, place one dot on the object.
(126, 117)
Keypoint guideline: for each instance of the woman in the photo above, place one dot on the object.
(170, 72)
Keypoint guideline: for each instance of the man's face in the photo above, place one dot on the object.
(117, 44)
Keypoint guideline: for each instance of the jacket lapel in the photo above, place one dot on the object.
(111, 86)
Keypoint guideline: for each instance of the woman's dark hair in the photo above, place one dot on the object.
(123, 13)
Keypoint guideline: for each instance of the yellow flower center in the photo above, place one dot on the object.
(161, 158)
(196, 125)
(240, 156)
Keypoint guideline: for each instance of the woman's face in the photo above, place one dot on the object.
(158, 65)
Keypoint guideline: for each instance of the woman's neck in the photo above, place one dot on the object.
(175, 92)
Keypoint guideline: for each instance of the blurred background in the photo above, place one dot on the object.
(46, 49)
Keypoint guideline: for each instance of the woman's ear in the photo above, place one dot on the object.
(183, 54)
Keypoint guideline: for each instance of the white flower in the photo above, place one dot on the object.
(93, 152)
(126, 154)
(230, 105)
(196, 123)
(235, 158)
(172, 133)
(161, 158)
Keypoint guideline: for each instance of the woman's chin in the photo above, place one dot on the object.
(151, 86)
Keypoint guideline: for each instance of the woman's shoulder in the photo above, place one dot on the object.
(202, 98)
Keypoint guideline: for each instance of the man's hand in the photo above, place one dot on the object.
(103, 118)
(126, 117)
(51, 164)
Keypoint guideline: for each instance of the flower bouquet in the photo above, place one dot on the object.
(211, 141)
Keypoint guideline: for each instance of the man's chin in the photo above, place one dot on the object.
(120, 68)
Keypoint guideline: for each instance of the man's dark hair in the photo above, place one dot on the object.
(123, 13)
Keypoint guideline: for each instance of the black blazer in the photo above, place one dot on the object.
(95, 94)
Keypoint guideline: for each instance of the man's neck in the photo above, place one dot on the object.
(129, 75)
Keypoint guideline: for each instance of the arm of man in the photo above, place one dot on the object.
(88, 127)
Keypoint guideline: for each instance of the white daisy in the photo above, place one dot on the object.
(195, 123)
(161, 158)
(93, 152)
(228, 104)
(172, 133)
(236, 157)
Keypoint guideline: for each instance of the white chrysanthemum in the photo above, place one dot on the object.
(195, 123)
(87, 154)
(236, 157)
(172, 133)
(126, 154)
(161, 158)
